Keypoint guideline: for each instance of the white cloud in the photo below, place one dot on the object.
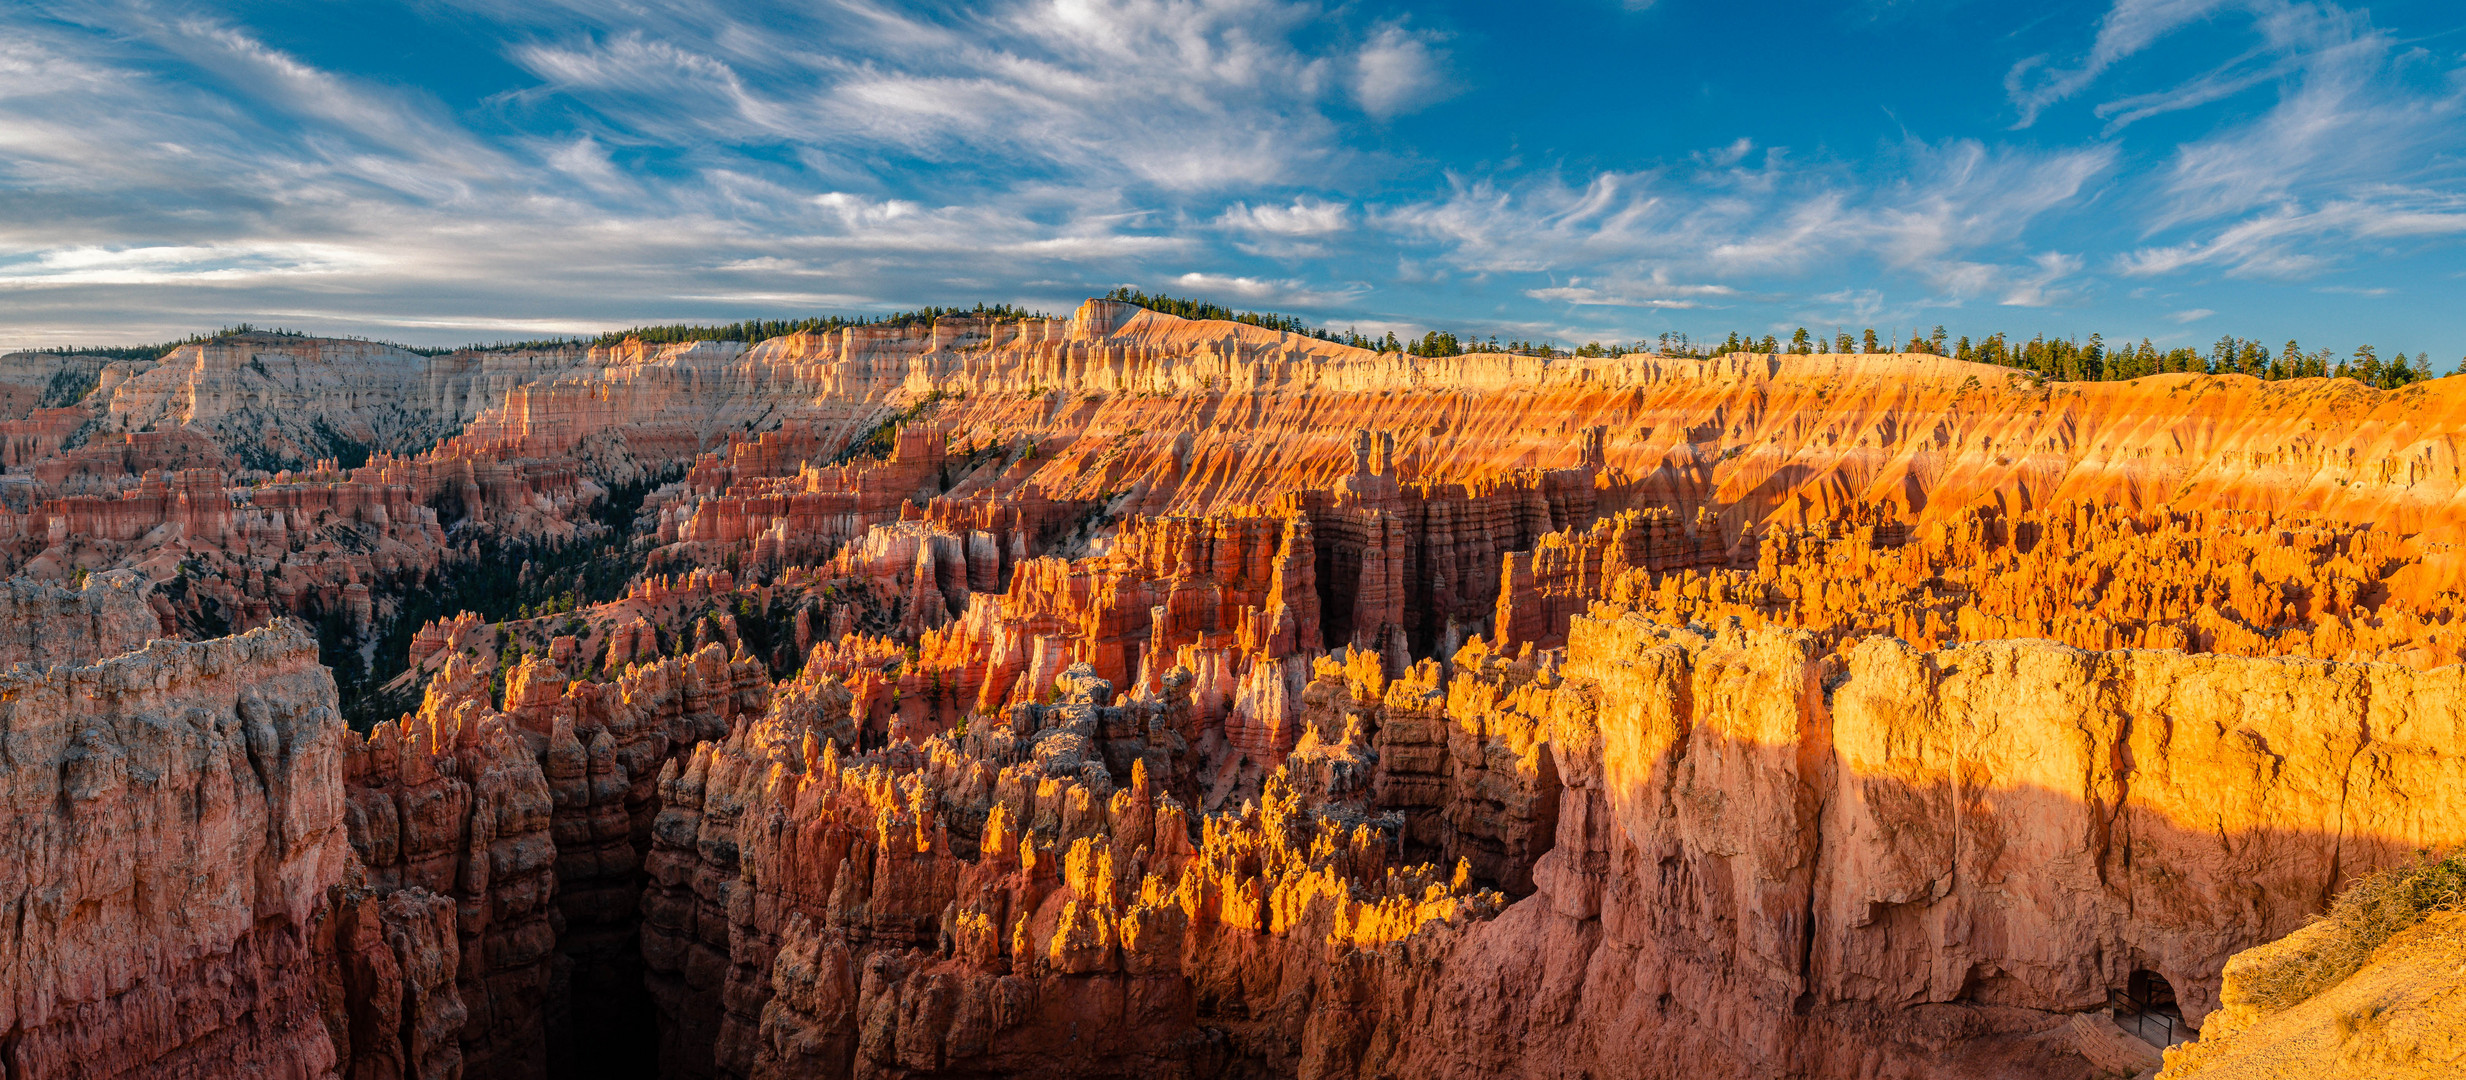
(2350, 150)
(1949, 213)
(2129, 27)
(2038, 287)
(1307, 228)
(2279, 242)
(698, 160)
(1306, 217)
(1266, 292)
(1727, 156)
(1862, 305)
(1186, 95)
(1397, 72)
(1654, 291)
(2183, 318)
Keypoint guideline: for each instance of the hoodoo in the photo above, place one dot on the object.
(1124, 695)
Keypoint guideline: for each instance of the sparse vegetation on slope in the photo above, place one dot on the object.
(2374, 909)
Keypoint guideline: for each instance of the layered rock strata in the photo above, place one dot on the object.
(456, 806)
(1776, 860)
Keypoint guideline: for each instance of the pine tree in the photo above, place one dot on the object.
(2367, 366)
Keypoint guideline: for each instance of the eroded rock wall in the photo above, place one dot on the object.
(175, 821)
(1124, 695)
(1777, 860)
(44, 624)
(454, 804)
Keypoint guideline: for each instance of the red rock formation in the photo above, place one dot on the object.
(1541, 589)
(453, 802)
(926, 911)
(392, 1008)
(38, 435)
(1931, 857)
(43, 624)
(175, 823)
(2247, 583)
(1415, 770)
(312, 544)
(109, 460)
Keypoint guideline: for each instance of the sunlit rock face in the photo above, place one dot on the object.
(1122, 695)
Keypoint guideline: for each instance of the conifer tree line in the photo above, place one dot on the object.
(2072, 360)
(2061, 359)
(759, 330)
(157, 352)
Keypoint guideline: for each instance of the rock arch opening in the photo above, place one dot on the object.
(2146, 1007)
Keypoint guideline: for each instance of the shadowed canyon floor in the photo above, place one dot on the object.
(1123, 695)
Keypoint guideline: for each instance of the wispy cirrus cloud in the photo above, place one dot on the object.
(163, 167)
(2285, 240)
(2353, 153)
(1186, 95)
(1954, 214)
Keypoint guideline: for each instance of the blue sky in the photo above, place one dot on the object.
(442, 171)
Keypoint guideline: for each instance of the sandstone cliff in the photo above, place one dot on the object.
(1759, 439)
(1781, 861)
(275, 399)
(43, 380)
